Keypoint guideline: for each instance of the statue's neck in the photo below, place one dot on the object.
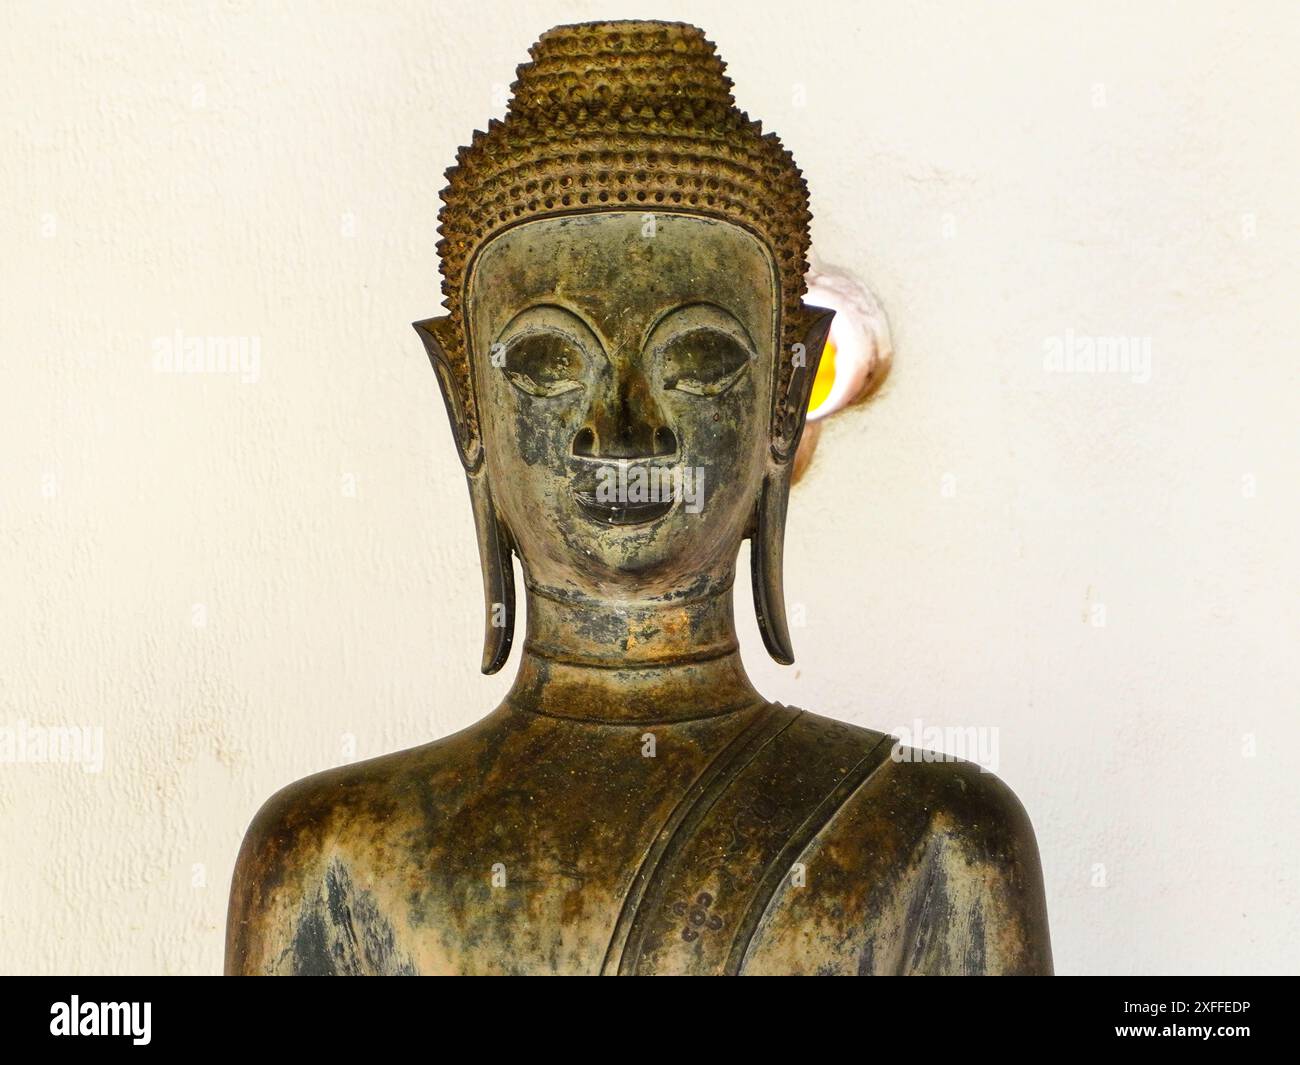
(634, 661)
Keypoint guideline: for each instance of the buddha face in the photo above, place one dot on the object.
(623, 364)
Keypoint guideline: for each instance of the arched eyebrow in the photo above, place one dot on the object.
(708, 308)
(533, 318)
(547, 307)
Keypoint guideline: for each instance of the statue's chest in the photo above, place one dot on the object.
(602, 878)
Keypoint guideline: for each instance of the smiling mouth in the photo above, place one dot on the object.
(622, 513)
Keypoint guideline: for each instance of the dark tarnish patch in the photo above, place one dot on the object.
(867, 960)
(534, 448)
(976, 957)
(698, 588)
(311, 956)
(342, 933)
(929, 911)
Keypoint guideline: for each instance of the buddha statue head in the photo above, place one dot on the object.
(626, 359)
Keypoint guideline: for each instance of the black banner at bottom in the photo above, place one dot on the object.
(142, 1015)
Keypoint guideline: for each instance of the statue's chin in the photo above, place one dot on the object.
(637, 564)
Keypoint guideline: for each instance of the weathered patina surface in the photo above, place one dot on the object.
(608, 861)
(634, 806)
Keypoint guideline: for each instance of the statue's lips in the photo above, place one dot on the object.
(622, 513)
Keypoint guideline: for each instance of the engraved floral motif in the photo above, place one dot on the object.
(698, 918)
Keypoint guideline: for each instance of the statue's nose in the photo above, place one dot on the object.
(625, 423)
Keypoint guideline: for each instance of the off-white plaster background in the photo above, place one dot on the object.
(272, 170)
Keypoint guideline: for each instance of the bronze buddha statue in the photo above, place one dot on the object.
(626, 362)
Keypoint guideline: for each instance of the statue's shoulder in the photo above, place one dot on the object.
(312, 814)
(959, 801)
(929, 865)
(929, 795)
(288, 862)
(311, 854)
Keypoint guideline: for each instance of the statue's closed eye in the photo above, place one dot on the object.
(703, 362)
(543, 362)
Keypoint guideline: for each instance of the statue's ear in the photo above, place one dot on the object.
(437, 336)
(494, 543)
(790, 406)
(767, 548)
(494, 547)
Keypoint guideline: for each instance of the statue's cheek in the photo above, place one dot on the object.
(718, 430)
(542, 430)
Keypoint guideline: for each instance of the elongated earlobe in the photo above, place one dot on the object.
(766, 557)
(767, 548)
(494, 543)
(494, 549)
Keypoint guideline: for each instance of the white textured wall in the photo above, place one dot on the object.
(271, 170)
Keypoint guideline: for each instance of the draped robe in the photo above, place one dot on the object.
(765, 841)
